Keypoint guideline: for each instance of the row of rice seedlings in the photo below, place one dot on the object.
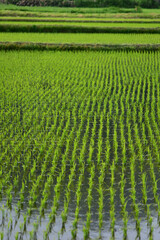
(78, 198)
(31, 171)
(92, 142)
(113, 113)
(113, 98)
(8, 106)
(80, 180)
(153, 114)
(18, 130)
(154, 183)
(108, 147)
(149, 218)
(57, 188)
(155, 125)
(33, 191)
(115, 143)
(157, 110)
(46, 147)
(73, 163)
(51, 143)
(140, 149)
(114, 110)
(133, 184)
(67, 195)
(100, 139)
(53, 167)
(57, 153)
(16, 163)
(64, 214)
(143, 177)
(123, 204)
(112, 199)
(71, 176)
(101, 195)
(86, 228)
(123, 181)
(152, 141)
(149, 126)
(103, 164)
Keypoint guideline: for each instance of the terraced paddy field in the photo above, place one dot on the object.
(82, 38)
(80, 145)
(80, 130)
(79, 25)
(12, 10)
(88, 24)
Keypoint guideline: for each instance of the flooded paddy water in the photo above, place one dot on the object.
(80, 141)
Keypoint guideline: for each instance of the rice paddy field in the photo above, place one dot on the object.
(94, 38)
(80, 131)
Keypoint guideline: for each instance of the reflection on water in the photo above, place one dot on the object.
(58, 233)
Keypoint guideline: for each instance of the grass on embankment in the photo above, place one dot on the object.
(7, 13)
(75, 47)
(51, 9)
(73, 29)
(84, 10)
(82, 38)
(85, 24)
(13, 10)
(78, 20)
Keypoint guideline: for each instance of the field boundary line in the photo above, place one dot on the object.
(73, 29)
(74, 20)
(74, 47)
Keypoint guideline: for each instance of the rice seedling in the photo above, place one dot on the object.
(133, 184)
(78, 197)
(2, 235)
(112, 206)
(89, 200)
(123, 180)
(80, 132)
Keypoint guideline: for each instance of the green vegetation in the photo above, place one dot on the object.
(66, 10)
(147, 15)
(82, 38)
(74, 29)
(80, 120)
(107, 12)
(76, 47)
(63, 137)
(79, 19)
(88, 24)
